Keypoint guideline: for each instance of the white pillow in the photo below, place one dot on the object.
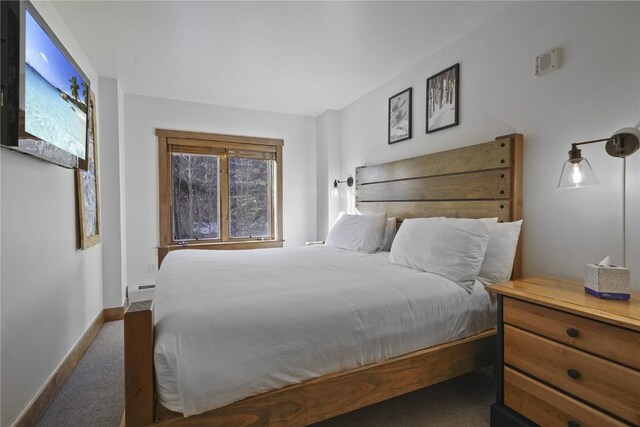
(361, 233)
(498, 260)
(389, 234)
(453, 248)
(340, 214)
(489, 220)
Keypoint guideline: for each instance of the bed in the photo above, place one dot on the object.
(326, 331)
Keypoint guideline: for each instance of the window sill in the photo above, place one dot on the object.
(247, 244)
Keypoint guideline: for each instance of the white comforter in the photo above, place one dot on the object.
(232, 324)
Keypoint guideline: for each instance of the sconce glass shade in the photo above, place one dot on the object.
(334, 192)
(577, 173)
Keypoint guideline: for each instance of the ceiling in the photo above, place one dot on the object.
(290, 57)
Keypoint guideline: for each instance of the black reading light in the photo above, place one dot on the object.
(336, 191)
(577, 172)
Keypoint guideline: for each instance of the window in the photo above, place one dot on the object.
(219, 191)
(250, 195)
(195, 199)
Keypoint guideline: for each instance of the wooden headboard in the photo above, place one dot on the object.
(477, 181)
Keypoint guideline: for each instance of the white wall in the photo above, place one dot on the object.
(633, 192)
(111, 147)
(328, 168)
(123, 211)
(50, 290)
(143, 115)
(592, 95)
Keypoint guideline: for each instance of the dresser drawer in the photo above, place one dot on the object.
(611, 342)
(607, 385)
(548, 407)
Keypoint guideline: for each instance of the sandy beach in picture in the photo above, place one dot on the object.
(55, 94)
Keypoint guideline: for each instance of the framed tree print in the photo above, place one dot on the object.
(443, 94)
(400, 116)
(87, 184)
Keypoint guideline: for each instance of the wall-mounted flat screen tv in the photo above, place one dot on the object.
(53, 96)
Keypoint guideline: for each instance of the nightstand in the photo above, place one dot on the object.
(565, 358)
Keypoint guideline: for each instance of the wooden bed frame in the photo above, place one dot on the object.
(478, 181)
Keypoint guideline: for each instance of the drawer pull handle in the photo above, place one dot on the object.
(573, 374)
(572, 424)
(572, 332)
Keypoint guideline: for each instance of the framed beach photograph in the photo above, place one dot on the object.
(400, 116)
(443, 94)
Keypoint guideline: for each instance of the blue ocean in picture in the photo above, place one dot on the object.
(50, 115)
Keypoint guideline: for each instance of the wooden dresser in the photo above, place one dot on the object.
(565, 358)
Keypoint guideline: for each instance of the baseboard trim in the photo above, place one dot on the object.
(37, 407)
(113, 313)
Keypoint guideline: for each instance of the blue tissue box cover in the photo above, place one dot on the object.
(607, 295)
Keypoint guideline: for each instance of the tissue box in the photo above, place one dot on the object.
(607, 282)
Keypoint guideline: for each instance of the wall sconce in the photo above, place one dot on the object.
(577, 172)
(337, 192)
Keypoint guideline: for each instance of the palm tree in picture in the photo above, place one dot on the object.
(74, 87)
(85, 92)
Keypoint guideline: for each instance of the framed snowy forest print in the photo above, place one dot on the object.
(400, 116)
(87, 184)
(443, 94)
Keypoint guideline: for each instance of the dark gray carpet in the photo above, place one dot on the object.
(93, 396)
(94, 393)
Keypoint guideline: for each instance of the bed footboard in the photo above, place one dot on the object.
(139, 395)
(324, 397)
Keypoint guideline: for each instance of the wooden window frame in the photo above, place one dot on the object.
(223, 146)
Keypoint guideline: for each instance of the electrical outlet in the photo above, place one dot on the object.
(152, 267)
